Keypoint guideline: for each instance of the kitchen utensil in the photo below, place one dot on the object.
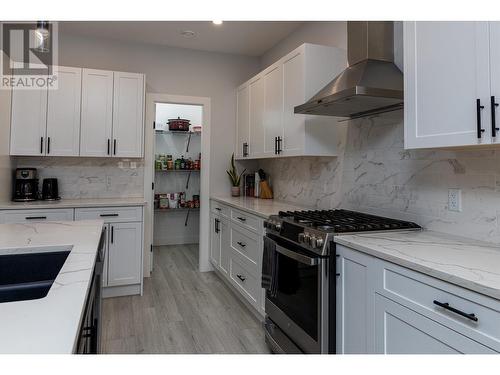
(178, 124)
(50, 189)
(25, 185)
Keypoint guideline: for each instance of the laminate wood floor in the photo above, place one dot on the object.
(181, 311)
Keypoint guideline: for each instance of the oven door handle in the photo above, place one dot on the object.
(297, 256)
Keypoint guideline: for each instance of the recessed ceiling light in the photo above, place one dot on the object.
(188, 33)
(217, 22)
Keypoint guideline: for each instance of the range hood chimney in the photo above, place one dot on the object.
(371, 84)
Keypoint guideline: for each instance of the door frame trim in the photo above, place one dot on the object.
(204, 241)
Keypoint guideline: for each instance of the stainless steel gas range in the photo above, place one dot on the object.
(299, 257)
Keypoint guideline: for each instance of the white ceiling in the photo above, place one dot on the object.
(243, 38)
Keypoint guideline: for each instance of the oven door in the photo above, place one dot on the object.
(300, 307)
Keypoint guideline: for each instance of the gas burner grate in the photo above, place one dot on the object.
(341, 221)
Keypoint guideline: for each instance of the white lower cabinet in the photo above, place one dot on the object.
(124, 254)
(388, 309)
(400, 330)
(236, 252)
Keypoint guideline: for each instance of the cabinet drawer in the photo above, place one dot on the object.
(247, 221)
(219, 208)
(419, 292)
(246, 243)
(245, 281)
(110, 214)
(30, 216)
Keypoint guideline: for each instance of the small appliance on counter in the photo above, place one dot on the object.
(50, 190)
(25, 185)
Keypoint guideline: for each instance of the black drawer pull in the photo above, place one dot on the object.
(242, 278)
(36, 217)
(447, 306)
(108, 215)
(217, 208)
(241, 244)
(241, 218)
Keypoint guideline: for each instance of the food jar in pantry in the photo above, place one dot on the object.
(173, 200)
(196, 201)
(164, 203)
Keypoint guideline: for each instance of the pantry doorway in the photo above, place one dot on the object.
(176, 176)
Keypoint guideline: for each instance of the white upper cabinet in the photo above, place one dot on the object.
(256, 118)
(495, 80)
(447, 83)
(63, 114)
(273, 109)
(28, 122)
(242, 131)
(97, 112)
(275, 130)
(128, 111)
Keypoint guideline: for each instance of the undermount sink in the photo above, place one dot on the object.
(29, 276)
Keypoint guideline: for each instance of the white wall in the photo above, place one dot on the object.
(5, 161)
(325, 33)
(175, 71)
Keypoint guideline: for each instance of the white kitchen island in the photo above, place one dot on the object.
(50, 324)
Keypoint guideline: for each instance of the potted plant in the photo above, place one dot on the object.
(235, 178)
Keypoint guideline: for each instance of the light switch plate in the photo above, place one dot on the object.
(455, 200)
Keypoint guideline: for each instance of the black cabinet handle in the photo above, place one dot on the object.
(217, 226)
(114, 146)
(242, 278)
(479, 107)
(109, 143)
(275, 145)
(494, 128)
(112, 234)
(48, 145)
(245, 149)
(279, 145)
(217, 208)
(108, 215)
(41, 145)
(447, 306)
(241, 219)
(36, 217)
(241, 244)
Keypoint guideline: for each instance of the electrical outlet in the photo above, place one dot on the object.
(455, 200)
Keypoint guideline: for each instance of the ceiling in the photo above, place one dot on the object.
(237, 37)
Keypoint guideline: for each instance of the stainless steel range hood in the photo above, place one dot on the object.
(371, 84)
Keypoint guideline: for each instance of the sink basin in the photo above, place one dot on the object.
(29, 276)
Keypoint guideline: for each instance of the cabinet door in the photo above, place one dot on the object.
(446, 70)
(257, 117)
(293, 95)
(225, 246)
(63, 113)
(400, 330)
(28, 122)
(128, 110)
(124, 255)
(273, 108)
(106, 256)
(495, 79)
(243, 121)
(215, 239)
(354, 293)
(97, 112)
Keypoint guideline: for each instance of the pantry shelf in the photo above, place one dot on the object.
(176, 132)
(176, 170)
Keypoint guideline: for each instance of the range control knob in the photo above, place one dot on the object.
(313, 241)
(277, 226)
(319, 242)
(307, 238)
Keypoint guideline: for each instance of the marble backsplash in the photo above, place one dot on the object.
(89, 177)
(373, 173)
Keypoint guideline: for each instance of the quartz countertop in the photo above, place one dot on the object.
(73, 203)
(50, 324)
(260, 207)
(471, 264)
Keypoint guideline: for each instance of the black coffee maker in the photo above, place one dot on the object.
(25, 185)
